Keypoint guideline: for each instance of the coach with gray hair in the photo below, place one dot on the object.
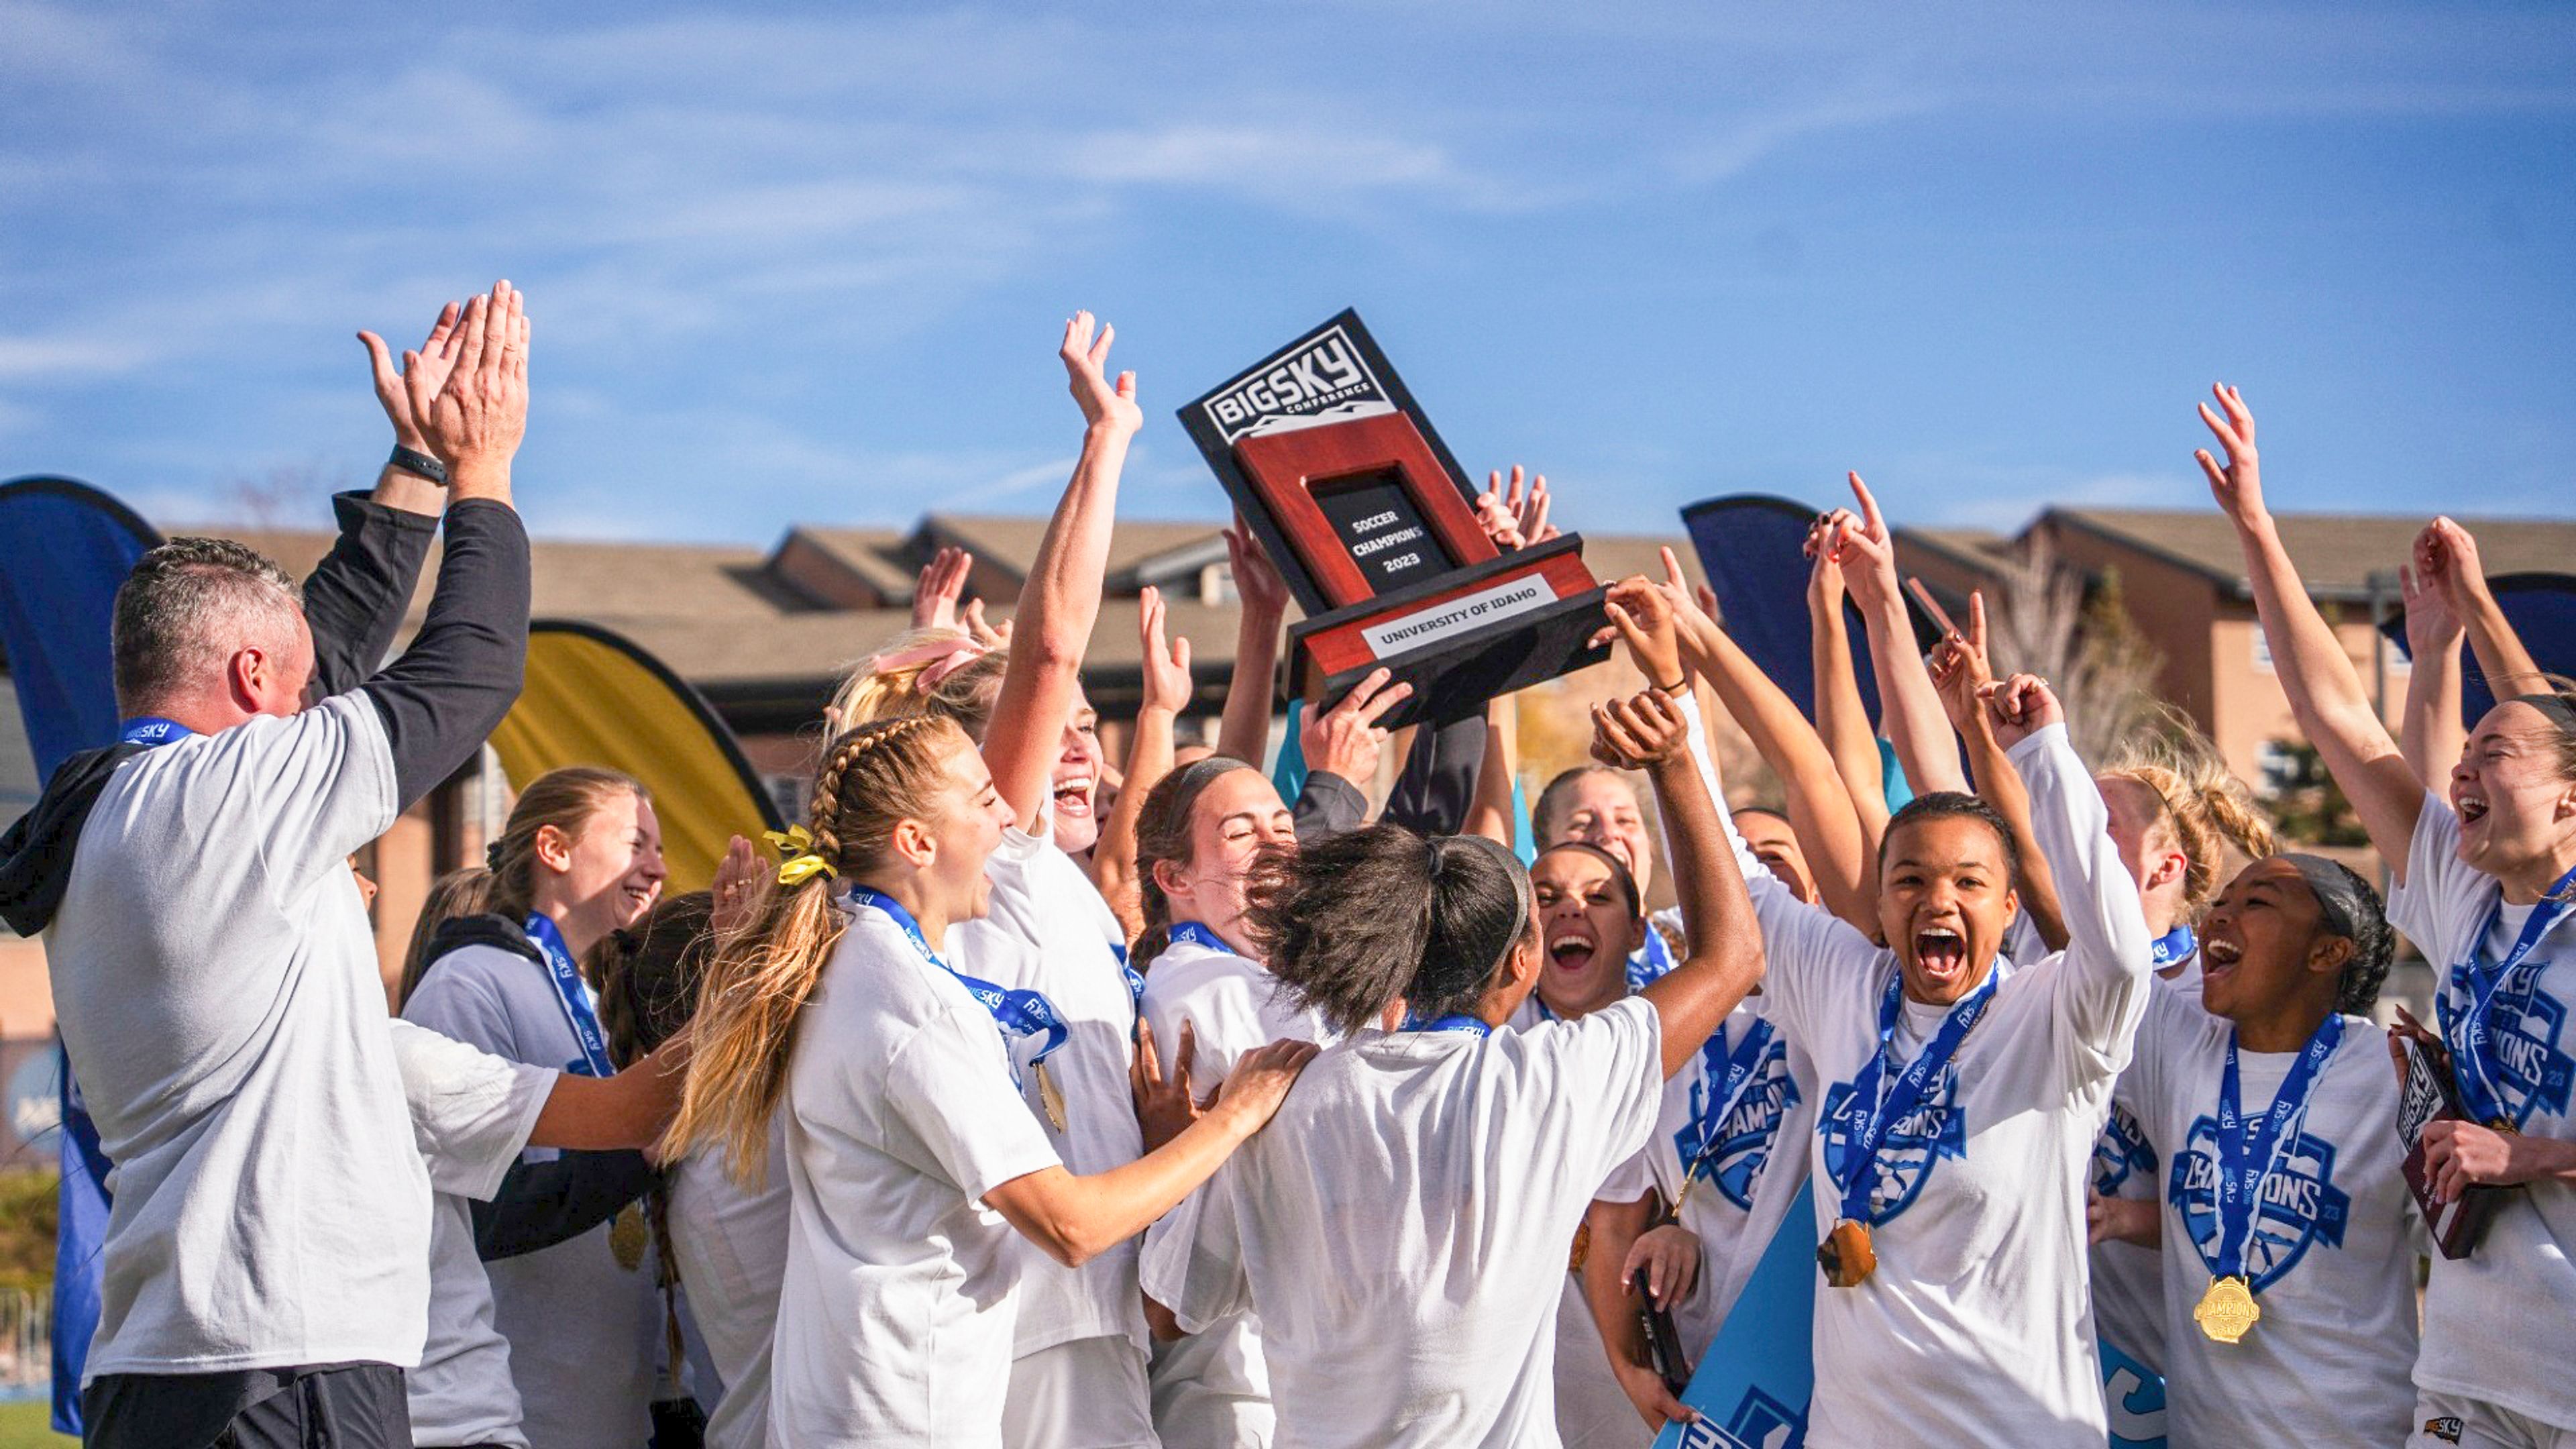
(266, 1259)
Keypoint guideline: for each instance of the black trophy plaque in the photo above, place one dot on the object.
(1373, 525)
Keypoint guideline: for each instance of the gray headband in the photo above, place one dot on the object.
(2341, 903)
(2555, 706)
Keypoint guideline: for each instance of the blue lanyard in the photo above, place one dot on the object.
(1651, 962)
(1455, 1021)
(1198, 935)
(1740, 1062)
(1892, 1105)
(2174, 945)
(572, 994)
(1017, 1012)
(1135, 978)
(150, 730)
(2468, 1033)
(2247, 1156)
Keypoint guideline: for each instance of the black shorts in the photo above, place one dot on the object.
(323, 1406)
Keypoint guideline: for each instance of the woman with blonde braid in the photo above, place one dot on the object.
(911, 1158)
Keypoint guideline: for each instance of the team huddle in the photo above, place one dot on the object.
(1013, 1099)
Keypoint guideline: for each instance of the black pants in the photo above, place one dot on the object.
(323, 1406)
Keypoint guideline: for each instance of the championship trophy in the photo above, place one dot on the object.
(1373, 525)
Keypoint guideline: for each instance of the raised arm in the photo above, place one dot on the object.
(1492, 815)
(1075, 1219)
(1961, 669)
(1061, 599)
(2453, 558)
(1842, 719)
(2109, 961)
(1725, 961)
(1907, 702)
(1820, 807)
(1149, 759)
(2430, 733)
(441, 699)
(2326, 695)
(1244, 734)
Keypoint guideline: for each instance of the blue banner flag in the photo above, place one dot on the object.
(1752, 547)
(1752, 1387)
(65, 547)
(2542, 610)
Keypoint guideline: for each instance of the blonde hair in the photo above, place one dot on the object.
(2200, 803)
(564, 799)
(872, 778)
(965, 692)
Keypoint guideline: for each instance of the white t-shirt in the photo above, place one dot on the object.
(2333, 1259)
(2483, 1313)
(2128, 1280)
(1978, 1314)
(1401, 1226)
(583, 1329)
(896, 1312)
(214, 977)
(1048, 930)
(1233, 1006)
(731, 1247)
(1745, 1186)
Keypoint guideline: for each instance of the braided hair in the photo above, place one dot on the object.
(871, 780)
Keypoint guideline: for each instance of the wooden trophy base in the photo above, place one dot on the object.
(1461, 639)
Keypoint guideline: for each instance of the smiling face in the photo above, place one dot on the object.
(1599, 807)
(2262, 956)
(965, 828)
(1944, 898)
(2145, 839)
(1776, 846)
(607, 874)
(2516, 805)
(1076, 781)
(1236, 818)
(1586, 931)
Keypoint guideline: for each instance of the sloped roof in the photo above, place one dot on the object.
(2336, 552)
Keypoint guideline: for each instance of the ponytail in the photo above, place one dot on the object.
(927, 671)
(1358, 921)
(2203, 805)
(872, 778)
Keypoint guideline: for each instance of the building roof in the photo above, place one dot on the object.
(2336, 552)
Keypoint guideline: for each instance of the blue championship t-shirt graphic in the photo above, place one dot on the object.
(2122, 1152)
(1738, 1147)
(1914, 1142)
(2300, 1206)
(2533, 1074)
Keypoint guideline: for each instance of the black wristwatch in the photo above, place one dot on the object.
(413, 460)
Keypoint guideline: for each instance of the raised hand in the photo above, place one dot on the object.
(1860, 543)
(991, 636)
(1824, 568)
(2238, 484)
(1105, 404)
(433, 362)
(1256, 578)
(1642, 615)
(2020, 707)
(1261, 1079)
(2432, 623)
(1634, 733)
(2447, 554)
(1166, 665)
(1961, 668)
(1516, 511)
(1346, 740)
(475, 420)
(1165, 1105)
(934, 595)
(742, 886)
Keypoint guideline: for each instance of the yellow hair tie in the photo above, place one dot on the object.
(799, 862)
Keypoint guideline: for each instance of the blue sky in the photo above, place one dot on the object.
(809, 264)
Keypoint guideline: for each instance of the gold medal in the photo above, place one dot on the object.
(1049, 1097)
(1582, 1248)
(2227, 1310)
(1846, 1254)
(628, 1235)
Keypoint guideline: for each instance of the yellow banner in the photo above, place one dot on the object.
(595, 698)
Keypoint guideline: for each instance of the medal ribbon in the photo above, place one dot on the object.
(1740, 1062)
(1454, 1021)
(1017, 1012)
(2467, 1032)
(1198, 935)
(1651, 963)
(149, 730)
(1892, 1104)
(572, 994)
(2174, 945)
(2246, 1157)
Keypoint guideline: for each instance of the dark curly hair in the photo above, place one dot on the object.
(1360, 920)
(1954, 805)
(2349, 907)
